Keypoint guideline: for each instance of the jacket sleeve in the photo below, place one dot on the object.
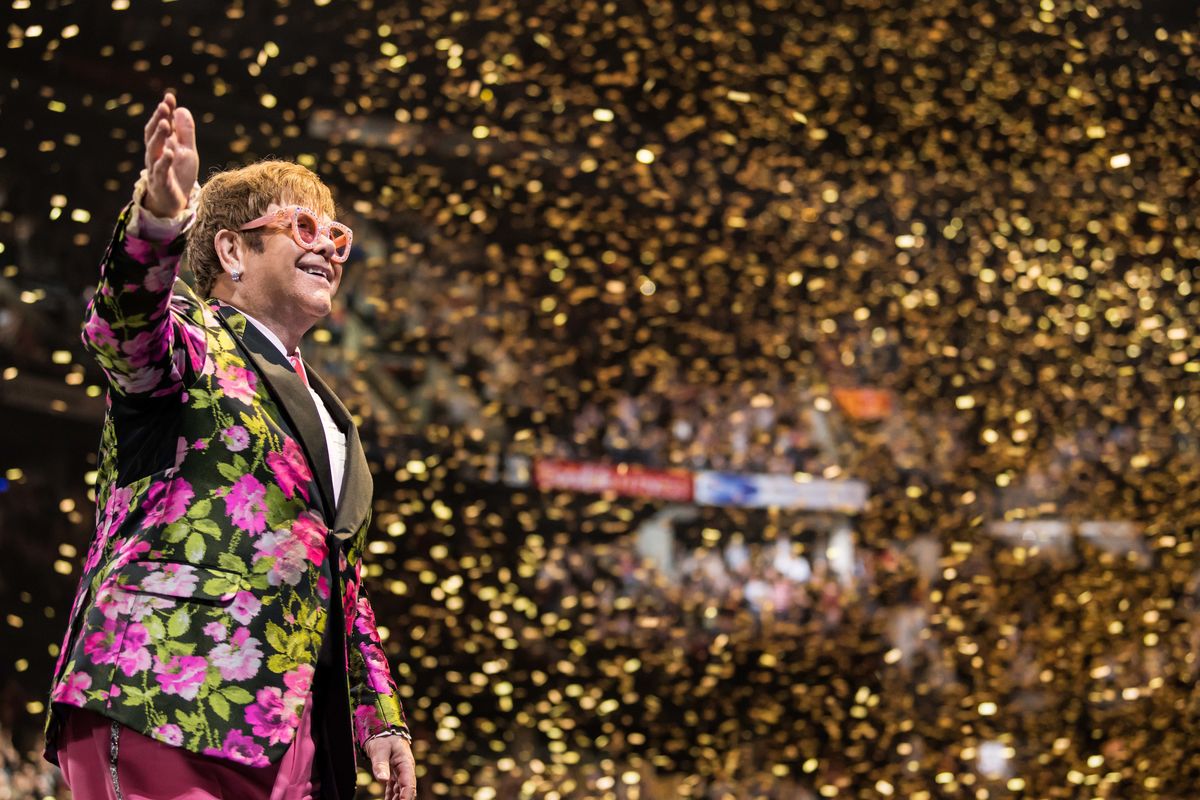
(145, 347)
(373, 693)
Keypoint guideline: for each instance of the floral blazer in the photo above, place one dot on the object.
(203, 604)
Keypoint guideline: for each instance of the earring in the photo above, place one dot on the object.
(236, 275)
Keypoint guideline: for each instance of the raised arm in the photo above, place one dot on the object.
(143, 348)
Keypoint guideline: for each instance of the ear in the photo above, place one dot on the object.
(229, 247)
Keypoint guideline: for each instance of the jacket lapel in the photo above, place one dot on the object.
(355, 500)
(291, 395)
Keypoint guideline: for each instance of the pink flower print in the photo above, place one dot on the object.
(298, 682)
(365, 621)
(289, 554)
(134, 656)
(245, 607)
(236, 438)
(139, 250)
(246, 505)
(350, 593)
(239, 658)
(237, 383)
(140, 381)
(310, 532)
(323, 587)
(378, 674)
(216, 631)
(167, 501)
(367, 722)
(114, 514)
(181, 449)
(102, 646)
(271, 717)
(160, 277)
(145, 348)
(174, 580)
(130, 549)
(291, 469)
(194, 349)
(240, 748)
(200, 445)
(117, 507)
(70, 689)
(168, 734)
(112, 601)
(99, 333)
(182, 675)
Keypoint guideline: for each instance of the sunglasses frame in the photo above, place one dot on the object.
(289, 216)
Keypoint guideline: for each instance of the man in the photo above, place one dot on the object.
(220, 643)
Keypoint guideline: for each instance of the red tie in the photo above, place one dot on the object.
(299, 367)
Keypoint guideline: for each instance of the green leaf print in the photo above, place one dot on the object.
(179, 622)
(194, 549)
(229, 472)
(276, 637)
(279, 509)
(236, 694)
(154, 627)
(208, 527)
(200, 509)
(219, 586)
(198, 398)
(230, 562)
(175, 532)
(192, 723)
(219, 706)
(281, 663)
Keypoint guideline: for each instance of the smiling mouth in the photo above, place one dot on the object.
(317, 271)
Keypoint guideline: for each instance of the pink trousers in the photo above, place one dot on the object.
(149, 770)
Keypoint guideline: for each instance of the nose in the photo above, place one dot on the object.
(324, 246)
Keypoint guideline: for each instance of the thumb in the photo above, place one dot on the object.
(381, 770)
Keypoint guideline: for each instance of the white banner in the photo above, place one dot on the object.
(782, 491)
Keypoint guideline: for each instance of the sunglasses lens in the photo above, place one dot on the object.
(341, 239)
(306, 227)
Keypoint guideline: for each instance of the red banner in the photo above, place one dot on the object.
(622, 479)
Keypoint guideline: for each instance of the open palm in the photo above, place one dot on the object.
(172, 162)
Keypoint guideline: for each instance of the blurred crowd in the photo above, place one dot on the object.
(677, 234)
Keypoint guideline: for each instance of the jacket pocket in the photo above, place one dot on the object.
(177, 580)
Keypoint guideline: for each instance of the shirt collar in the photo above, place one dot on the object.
(267, 332)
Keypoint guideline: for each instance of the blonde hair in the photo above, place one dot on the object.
(232, 198)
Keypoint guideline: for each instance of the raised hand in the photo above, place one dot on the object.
(172, 162)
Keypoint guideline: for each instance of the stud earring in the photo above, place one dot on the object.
(236, 275)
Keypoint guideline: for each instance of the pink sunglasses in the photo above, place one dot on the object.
(306, 227)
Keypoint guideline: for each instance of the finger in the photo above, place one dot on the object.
(380, 770)
(406, 778)
(406, 770)
(154, 146)
(160, 172)
(161, 111)
(185, 128)
(161, 176)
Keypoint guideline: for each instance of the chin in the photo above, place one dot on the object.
(318, 305)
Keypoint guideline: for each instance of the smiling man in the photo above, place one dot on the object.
(221, 643)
